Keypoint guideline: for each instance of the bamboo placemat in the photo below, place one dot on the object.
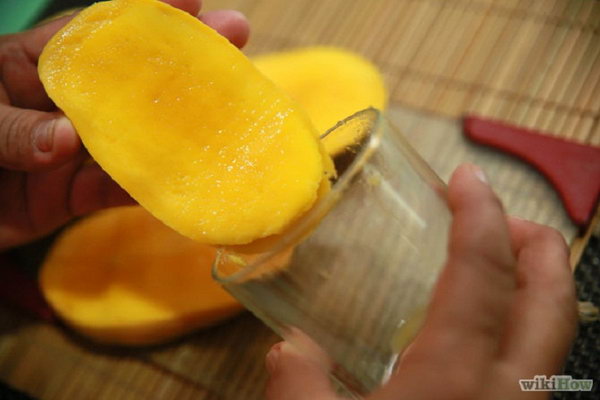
(535, 64)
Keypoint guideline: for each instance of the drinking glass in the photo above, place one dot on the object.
(351, 279)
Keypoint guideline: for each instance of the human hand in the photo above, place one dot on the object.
(504, 309)
(46, 177)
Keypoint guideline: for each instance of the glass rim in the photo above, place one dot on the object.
(321, 207)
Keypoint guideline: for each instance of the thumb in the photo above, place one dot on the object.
(34, 140)
(293, 376)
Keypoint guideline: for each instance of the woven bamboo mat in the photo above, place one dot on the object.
(536, 64)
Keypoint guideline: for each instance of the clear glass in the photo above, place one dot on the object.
(351, 279)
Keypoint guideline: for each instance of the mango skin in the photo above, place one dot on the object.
(183, 121)
(330, 83)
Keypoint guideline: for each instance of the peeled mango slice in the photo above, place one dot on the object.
(121, 276)
(267, 243)
(330, 83)
(183, 121)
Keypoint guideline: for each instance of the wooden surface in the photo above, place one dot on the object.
(536, 64)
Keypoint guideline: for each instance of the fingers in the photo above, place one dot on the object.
(231, 24)
(55, 196)
(34, 40)
(34, 204)
(295, 377)
(93, 189)
(474, 293)
(544, 315)
(19, 77)
(33, 140)
(77, 189)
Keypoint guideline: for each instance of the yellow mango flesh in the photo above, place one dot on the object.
(267, 243)
(183, 121)
(330, 83)
(123, 277)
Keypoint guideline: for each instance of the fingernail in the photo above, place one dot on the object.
(44, 139)
(273, 356)
(478, 172)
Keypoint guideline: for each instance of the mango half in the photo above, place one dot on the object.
(183, 121)
(330, 83)
(120, 276)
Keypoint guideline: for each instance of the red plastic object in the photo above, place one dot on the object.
(572, 168)
(18, 290)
